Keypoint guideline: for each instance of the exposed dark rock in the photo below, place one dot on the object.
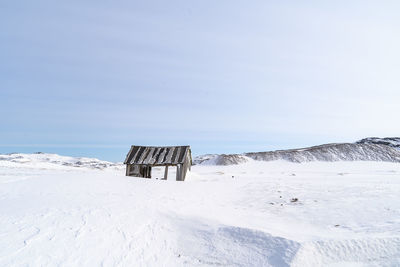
(389, 141)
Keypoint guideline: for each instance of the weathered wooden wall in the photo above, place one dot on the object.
(140, 160)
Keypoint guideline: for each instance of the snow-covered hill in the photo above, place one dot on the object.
(45, 160)
(371, 149)
(256, 213)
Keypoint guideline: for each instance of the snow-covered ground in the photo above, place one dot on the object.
(253, 214)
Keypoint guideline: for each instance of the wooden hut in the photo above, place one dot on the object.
(141, 159)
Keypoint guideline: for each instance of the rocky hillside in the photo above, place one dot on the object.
(223, 159)
(369, 149)
(389, 141)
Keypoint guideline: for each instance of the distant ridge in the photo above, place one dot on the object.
(40, 159)
(368, 149)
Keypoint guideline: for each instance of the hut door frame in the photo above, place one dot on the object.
(145, 171)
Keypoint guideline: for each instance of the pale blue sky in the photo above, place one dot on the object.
(90, 78)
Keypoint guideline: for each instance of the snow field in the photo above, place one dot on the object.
(346, 213)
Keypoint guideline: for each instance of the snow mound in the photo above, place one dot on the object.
(203, 243)
(350, 252)
(45, 160)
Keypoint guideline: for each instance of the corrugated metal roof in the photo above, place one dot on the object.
(149, 155)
